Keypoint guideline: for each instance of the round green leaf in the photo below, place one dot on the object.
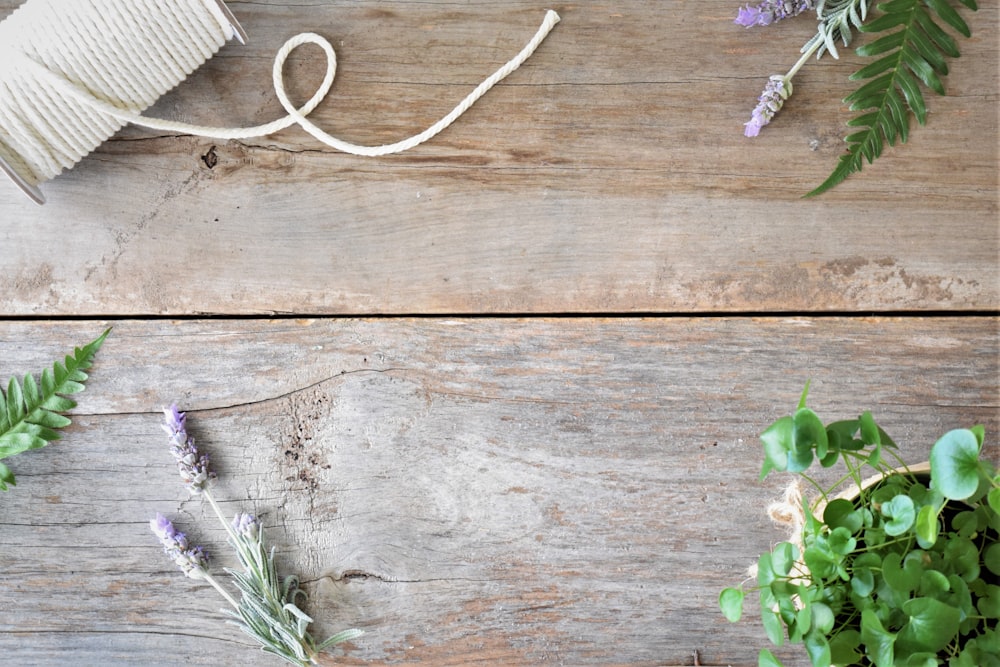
(994, 500)
(799, 460)
(965, 524)
(901, 579)
(922, 495)
(888, 488)
(820, 563)
(868, 559)
(962, 557)
(844, 648)
(841, 513)
(992, 517)
(803, 620)
(862, 582)
(934, 584)
(778, 439)
(871, 435)
(967, 658)
(869, 430)
(731, 603)
(782, 558)
(841, 541)
(879, 643)
(767, 659)
(991, 558)
(809, 435)
(832, 456)
(874, 537)
(989, 603)
(961, 596)
(822, 618)
(808, 594)
(772, 627)
(955, 464)
(818, 648)
(841, 435)
(767, 598)
(900, 514)
(931, 626)
(927, 526)
(765, 573)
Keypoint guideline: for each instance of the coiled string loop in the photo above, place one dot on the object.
(73, 73)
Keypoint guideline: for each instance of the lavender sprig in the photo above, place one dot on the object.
(266, 610)
(835, 17)
(769, 11)
(193, 561)
(194, 467)
(775, 93)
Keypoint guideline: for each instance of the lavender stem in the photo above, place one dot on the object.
(229, 598)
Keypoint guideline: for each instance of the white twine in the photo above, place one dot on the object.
(72, 73)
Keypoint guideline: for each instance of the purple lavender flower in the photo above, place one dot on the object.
(193, 561)
(775, 93)
(192, 465)
(246, 525)
(769, 11)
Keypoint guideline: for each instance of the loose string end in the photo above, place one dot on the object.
(297, 116)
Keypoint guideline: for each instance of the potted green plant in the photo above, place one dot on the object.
(901, 571)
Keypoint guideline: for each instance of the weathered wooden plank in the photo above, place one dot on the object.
(609, 174)
(545, 491)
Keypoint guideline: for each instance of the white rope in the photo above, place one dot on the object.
(72, 73)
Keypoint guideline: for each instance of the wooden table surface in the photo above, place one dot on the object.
(497, 398)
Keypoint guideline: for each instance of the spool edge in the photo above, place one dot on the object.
(32, 191)
(241, 34)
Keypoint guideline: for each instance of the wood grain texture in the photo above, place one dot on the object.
(608, 174)
(487, 491)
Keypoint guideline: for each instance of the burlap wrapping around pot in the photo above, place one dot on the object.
(790, 511)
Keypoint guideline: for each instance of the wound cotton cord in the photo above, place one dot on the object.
(73, 73)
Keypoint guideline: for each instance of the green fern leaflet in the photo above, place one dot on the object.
(30, 410)
(913, 55)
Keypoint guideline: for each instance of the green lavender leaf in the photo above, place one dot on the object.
(914, 54)
(267, 610)
(29, 411)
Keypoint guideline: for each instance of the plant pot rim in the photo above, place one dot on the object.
(852, 492)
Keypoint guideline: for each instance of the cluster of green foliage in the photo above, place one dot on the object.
(267, 610)
(30, 411)
(904, 574)
(914, 53)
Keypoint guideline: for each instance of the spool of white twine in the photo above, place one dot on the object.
(73, 72)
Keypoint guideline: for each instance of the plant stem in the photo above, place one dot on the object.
(806, 55)
(229, 598)
(222, 518)
(815, 485)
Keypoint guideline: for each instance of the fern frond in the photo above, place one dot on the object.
(30, 412)
(914, 54)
